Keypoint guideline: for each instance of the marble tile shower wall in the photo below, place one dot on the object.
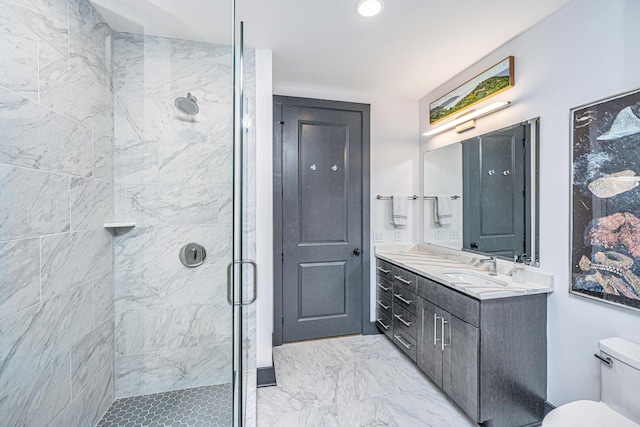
(56, 189)
(173, 177)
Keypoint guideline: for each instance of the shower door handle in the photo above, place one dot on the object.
(230, 281)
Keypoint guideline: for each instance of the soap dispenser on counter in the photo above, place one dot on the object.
(518, 273)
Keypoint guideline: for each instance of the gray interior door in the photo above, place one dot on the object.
(494, 193)
(321, 222)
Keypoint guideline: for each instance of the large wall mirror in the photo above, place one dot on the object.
(481, 195)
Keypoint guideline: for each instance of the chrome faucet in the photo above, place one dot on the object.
(493, 264)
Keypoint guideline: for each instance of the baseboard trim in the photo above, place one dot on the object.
(548, 407)
(266, 377)
(371, 329)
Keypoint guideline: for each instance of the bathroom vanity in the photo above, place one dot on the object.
(481, 339)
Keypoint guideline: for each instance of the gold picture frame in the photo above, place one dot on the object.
(490, 82)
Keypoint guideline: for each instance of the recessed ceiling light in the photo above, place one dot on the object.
(369, 8)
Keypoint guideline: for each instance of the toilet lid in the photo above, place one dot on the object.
(586, 413)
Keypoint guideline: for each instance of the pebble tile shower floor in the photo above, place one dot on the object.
(208, 406)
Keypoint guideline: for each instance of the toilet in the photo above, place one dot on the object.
(620, 393)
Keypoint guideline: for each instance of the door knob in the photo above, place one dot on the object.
(356, 251)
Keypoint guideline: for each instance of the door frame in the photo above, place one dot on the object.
(279, 102)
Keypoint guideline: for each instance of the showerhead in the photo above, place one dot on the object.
(188, 105)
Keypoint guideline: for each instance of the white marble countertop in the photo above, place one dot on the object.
(434, 265)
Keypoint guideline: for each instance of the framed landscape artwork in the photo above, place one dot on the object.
(485, 85)
(605, 255)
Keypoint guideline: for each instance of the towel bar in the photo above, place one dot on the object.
(379, 197)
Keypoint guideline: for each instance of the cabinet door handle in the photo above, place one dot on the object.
(382, 287)
(403, 280)
(399, 317)
(399, 338)
(442, 333)
(383, 270)
(386, 307)
(435, 329)
(382, 324)
(408, 302)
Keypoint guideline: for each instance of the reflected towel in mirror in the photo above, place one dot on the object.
(442, 210)
(398, 211)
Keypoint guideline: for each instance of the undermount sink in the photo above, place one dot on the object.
(473, 278)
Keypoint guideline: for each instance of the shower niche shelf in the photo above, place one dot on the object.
(119, 227)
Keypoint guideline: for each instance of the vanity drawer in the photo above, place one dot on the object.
(384, 324)
(405, 321)
(406, 343)
(384, 305)
(384, 269)
(404, 299)
(405, 279)
(384, 287)
(462, 306)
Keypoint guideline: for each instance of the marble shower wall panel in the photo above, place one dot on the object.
(35, 137)
(167, 329)
(151, 247)
(74, 258)
(90, 43)
(33, 337)
(20, 278)
(91, 404)
(40, 399)
(49, 20)
(173, 369)
(91, 203)
(103, 299)
(168, 286)
(73, 92)
(57, 324)
(173, 178)
(32, 203)
(19, 59)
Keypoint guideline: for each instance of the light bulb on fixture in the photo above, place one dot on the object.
(369, 8)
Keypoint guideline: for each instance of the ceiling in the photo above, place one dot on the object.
(408, 50)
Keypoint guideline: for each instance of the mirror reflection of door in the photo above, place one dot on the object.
(495, 207)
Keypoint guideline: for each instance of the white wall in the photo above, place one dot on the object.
(394, 170)
(585, 52)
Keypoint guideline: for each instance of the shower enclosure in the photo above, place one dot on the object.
(126, 214)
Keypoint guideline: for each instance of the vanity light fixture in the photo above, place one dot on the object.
(369, 8)
(484, 111)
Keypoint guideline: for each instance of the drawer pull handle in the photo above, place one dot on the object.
(408, 302)
(399, 338)
(383, 288)
(403, 280)
(382, 324)
(399, 317)
(384, 271)
(386, 307)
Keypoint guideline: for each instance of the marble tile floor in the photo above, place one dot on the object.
(208, 406)
(352, 381)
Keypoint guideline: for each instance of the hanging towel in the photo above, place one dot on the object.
(442, 210)
(398, 211)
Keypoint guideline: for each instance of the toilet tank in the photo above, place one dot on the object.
(621, 379)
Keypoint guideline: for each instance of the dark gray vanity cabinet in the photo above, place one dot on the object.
(405, 309)
(384, 297)
(488, 356)
(448, 354)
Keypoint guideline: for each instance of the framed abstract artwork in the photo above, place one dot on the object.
(605, 252)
